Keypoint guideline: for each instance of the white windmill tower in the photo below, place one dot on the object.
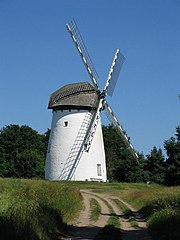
(76, 148)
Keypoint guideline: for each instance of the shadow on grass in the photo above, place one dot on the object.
(44, 225)
(138, 233)
(124, 215)
(10, 230)
(109, 232)
(49, 225)
(85, 232)
(164, 226)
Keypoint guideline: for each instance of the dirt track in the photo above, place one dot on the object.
(85, 229)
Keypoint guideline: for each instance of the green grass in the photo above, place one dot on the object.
(113, 219)
(159, 204)
(121, 206)
(36, 210)
(163, 214)
(112, 230)
(127, 212)
(165, 225)
(95, 209)
(133, 221)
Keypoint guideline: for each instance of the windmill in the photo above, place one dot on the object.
(76, 148)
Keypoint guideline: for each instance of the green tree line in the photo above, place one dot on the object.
(23, 151)
(154, 167)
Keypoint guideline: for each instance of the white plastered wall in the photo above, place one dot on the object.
(61, 141)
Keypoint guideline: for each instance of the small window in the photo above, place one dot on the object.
(99, 170)
(65, 123)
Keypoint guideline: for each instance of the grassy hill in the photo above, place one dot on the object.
(40, 210)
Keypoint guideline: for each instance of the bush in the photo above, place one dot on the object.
(165, 225)
(163, 213)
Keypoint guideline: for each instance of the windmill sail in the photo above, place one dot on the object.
(76, 124)
(119, 129)
(93, 126)
(82, 50)
(114, 72)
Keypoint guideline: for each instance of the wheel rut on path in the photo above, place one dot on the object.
(84, 228)
(129, 232)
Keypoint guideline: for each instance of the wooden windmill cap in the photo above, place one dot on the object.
(77, 95)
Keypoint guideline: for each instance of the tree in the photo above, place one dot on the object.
(155, 165)
(112, 145)
(3, 165)
(121, 165)
(29, 164)
(16, 142)
(172, 147)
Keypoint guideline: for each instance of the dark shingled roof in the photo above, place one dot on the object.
(76, 95)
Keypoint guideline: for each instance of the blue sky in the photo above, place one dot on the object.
(37, 57)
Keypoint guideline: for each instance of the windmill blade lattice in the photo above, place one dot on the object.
(119, 129)
(76, 150)
(114, 72)
(82, 50)
(93, 126)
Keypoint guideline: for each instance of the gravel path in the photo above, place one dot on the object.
(86, 229)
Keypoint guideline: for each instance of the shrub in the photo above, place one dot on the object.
(165, 225)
